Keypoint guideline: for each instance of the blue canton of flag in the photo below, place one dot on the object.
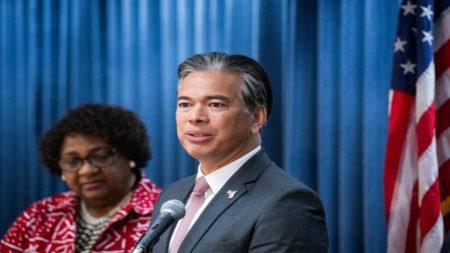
(413, 45)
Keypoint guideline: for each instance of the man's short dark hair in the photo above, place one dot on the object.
(256, 90)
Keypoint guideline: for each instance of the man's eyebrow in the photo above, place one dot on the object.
(218, 97)
(183, 98)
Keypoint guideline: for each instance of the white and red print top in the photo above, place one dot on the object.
(49, 225)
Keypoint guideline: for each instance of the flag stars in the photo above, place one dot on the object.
(399, 45)
(408, 67)
(426, 12)
(409, 8)
(427, 37)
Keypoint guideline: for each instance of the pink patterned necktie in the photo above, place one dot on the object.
(195, 202)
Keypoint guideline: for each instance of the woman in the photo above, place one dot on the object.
(98, 151)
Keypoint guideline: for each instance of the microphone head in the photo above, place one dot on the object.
(175, 208)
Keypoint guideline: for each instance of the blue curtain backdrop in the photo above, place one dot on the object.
(328, 60)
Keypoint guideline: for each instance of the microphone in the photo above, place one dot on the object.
(171, 211)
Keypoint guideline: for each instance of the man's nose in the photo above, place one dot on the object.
(198, 114)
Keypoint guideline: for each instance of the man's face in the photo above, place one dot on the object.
(213, 124)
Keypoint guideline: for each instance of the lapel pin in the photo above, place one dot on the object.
(231, 194)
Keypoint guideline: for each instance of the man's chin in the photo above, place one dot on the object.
(196, 151)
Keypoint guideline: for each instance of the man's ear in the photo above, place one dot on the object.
(259, 118)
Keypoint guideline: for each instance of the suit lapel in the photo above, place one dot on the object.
(249, 172)
(215, 208)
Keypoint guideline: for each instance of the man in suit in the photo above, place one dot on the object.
(250, 204)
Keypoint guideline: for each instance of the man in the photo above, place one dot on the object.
(250, 204)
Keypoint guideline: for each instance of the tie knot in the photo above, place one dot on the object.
(201, 186)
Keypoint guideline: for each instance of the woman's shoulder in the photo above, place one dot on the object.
(58, 202)
(144, 197)
(40, 219)
(148, 185)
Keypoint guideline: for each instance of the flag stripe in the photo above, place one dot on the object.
(401, 105)
(443, 88)
(443, 145)
(425, 127)
(403, 192)
(430, 208)
(441, 31)
(443, 115)
(412, 224)
(425, 87)
(441, 58)
(444, 173)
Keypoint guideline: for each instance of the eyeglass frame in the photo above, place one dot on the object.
(88, 158)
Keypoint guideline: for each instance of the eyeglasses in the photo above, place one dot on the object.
(100, 158)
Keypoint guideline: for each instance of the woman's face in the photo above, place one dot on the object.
(100, 187)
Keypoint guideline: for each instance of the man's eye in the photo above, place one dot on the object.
(217, 105)
(183, 105)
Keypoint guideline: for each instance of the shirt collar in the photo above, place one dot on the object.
(219, 177)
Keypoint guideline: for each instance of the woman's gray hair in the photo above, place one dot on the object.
(256, 90)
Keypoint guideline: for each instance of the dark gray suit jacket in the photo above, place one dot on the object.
(270, 212)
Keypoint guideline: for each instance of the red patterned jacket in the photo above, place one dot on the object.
(48, 225)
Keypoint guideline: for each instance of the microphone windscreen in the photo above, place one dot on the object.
(175, 208)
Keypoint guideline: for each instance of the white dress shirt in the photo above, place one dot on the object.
(216, 180)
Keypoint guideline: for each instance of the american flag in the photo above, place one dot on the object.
(417, 166)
